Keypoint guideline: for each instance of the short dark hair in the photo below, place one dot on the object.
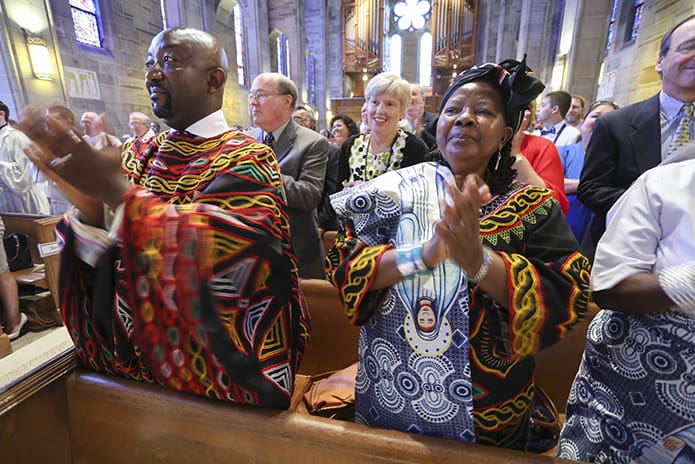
(347, 120)
(666, 39)
(6, 110)
(62, 111)
(562, 99)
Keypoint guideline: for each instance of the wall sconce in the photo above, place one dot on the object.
(40, 57)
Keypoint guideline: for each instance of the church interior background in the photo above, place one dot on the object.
(90, 53)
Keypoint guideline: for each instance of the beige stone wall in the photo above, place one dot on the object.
(629, 74)
(128, 30)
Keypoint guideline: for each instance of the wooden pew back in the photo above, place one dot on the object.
(333, 343)
(557, 365)
(114, 421)
(40, 230)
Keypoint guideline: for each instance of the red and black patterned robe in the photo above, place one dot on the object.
(201, 294)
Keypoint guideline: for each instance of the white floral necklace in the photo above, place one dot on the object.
(366, 166)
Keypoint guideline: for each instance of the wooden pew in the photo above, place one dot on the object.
(557, 365)
(333, 343)
(114, 420)
(40, 230)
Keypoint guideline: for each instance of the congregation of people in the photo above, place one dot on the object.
(467, 240)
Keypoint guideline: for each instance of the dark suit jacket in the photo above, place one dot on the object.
(302, 156)
(429, 132)
(327, 220)
(624, 144)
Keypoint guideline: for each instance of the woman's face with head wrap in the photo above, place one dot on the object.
(472, 128)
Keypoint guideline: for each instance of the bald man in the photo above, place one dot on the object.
(93, 127)
(139, 124)
(195, 287)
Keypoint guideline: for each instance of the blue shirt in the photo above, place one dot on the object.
(578, 216)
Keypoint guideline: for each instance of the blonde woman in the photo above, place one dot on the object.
(387, 147)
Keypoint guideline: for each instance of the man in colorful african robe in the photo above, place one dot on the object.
(195, 287)
(437, 355)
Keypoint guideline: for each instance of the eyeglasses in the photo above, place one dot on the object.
(135, 123)
(261, 97)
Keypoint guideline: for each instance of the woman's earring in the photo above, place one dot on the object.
(499, 157)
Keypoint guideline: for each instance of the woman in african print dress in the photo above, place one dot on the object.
(634, 395)
(458, 274)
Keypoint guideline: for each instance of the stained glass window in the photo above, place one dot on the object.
(636, 18)
(239, 42)
(611, 26)
(310, 71)
(283, 54)
(85, 17)
(411, 15)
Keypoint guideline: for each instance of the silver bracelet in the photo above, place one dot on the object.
(409, 259)
(484, 266)
(678, 283)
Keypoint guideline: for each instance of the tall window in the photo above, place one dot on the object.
(395, 47)
(239, 45)
(87, 22)
(612, 26)
(310, 71)
(283, 54)
(425, 60)
(635, 19)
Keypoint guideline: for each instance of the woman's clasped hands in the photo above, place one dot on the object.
(457, 233)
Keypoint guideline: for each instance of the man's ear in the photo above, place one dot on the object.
(216, 79)
(659, 65)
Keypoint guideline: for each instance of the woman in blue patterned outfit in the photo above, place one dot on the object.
(458, 274)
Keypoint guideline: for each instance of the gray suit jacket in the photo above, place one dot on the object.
(302, 156)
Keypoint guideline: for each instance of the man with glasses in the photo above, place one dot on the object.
(304, 117)
(629, 141)
(139, 124)
(302, 156)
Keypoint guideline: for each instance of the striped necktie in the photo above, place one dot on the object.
(682, 135)
(269, 139)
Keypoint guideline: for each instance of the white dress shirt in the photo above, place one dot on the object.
(652, 225)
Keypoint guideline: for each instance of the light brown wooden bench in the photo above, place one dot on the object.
(40, 230)
(333, 343)
(115, 421)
